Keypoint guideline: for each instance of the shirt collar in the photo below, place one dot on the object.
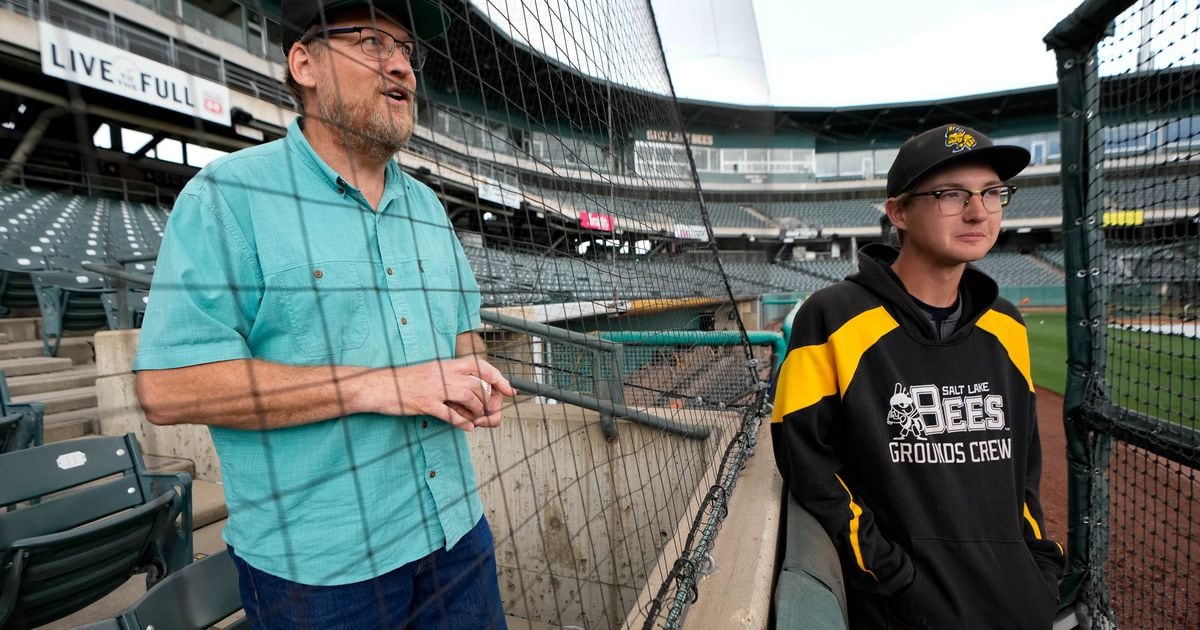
(395, 183)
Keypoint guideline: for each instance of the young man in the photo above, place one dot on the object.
(308, 304)
(905, 411)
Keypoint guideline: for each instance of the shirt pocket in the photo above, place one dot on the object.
(325, 306)
(440, 285)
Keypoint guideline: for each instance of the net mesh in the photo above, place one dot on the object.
(1139, 247)
(604, 302)
(560, 142)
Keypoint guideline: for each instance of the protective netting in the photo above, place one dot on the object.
(540, 106)
(1128, 98)
(603, 297)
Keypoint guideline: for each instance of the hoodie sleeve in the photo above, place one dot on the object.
(1047, 554)
(805, 430)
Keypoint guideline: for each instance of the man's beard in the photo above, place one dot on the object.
(367, 129)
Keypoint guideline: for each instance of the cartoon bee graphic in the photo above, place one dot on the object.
(904, 413)
(959, 139)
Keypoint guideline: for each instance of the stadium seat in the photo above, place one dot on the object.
(135, 308)
(70, 301)
(20, 424)
(195, 597)
(16, 286)
(99, 516)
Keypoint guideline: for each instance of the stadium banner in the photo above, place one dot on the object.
(676, 137)
(499, 193)
(83, 60)
(595, 221)
(691, 232)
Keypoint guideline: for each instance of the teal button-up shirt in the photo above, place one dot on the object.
(269, 254)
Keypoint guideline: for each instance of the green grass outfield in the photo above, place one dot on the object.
(1153, 373)
(1048, 349)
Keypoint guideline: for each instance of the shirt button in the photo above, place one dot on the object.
(341, 191)
(403, 321)
(424, 424)
(432, 474)
(389, 271)
(318, 274)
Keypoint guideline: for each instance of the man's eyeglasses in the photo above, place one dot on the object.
(954, 201)
(379, 44)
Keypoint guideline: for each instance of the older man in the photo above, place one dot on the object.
(905, 411)
(308, 305)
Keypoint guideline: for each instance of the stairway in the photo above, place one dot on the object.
(66, 387)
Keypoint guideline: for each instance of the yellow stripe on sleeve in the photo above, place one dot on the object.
(1037, 531)
(855, 514)
(1013, 337)
(811, 373)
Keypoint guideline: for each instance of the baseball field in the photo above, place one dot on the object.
(1151, 372)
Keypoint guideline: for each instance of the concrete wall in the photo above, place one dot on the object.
(120, 412)
(580, 523)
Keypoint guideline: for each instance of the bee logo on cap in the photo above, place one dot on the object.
(959, 139)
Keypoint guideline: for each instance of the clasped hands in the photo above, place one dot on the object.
(465, 392)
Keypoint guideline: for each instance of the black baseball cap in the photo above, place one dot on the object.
(951, 144)
(425, 19)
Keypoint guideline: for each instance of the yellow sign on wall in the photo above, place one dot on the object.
(1124, 217)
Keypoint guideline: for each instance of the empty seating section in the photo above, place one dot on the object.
(61, 229)
(736, 215)
(1178, 194)
(831, 269)
(1035, 201)
(47, 236)
(1010, 269)
(831, 213)
(1053, 255)
(659, 212)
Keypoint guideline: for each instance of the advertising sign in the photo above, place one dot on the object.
(595, 221)
(500, 193)
(691, 232)
(93, 63)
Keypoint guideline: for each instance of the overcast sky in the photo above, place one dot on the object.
(855, 52)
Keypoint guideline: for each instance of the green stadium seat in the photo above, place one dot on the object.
(20, 424)
(195, 597)
(810, 592)
(70, 301)
(16, 286)
(99, 517)
(135, 308)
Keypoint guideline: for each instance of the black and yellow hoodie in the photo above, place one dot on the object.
(919, 455)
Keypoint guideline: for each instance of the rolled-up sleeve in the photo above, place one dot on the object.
(206, 289)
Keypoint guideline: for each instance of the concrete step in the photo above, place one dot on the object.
(161, 463)
(34, 365)
(81, 376)
(79, 350)
(208, 503)
(20, 328)
(70, 424)
(62, 400)
(4, 338)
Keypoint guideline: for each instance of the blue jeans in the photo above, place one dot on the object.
(453, 589)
